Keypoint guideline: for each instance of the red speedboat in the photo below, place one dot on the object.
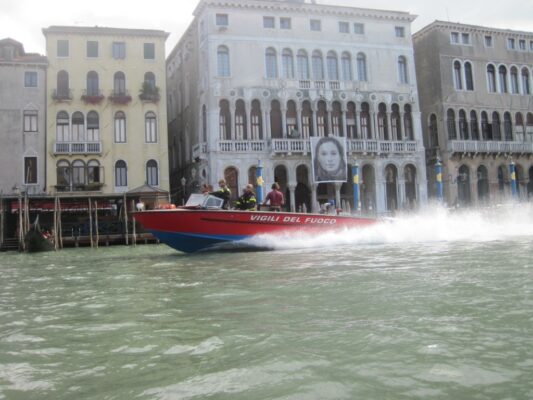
(203, 225)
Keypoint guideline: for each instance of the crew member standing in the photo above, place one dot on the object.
(247, 201)
(223, 193)
(275, 197)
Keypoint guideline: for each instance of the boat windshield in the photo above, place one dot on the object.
(204, 201)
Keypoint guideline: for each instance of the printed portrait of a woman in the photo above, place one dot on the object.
(329, 159)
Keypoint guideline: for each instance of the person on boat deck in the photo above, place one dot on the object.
(275, 198)
(247, 201)
(223, 193)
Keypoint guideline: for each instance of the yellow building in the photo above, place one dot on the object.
(106, 110)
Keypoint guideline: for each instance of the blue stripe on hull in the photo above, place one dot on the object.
(190, 242)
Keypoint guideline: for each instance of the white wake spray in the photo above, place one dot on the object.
(432, 224)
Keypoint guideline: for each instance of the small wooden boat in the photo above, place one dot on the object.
(202, 224)
(35, 240)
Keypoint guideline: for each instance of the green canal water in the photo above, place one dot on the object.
(430, 306)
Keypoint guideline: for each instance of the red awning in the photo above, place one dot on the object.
(72, 206)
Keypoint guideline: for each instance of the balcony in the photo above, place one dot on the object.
(92, 97)
(291, 146)
(490, 147)
(77, 148)
(120, 97)
(242, 146)
(149, 93)
(199, 151)
(62, 95)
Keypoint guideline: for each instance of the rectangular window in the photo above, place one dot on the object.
(488, 41)
(222, 20)
(92, 49)
(359, 29)
(316, 25)
(399, 31)
(531, 45)
(344, 27)
(149, 51)
(285, 23)
(454, 37)
(511, 44)
(30, 170)
(465, 38)
(30, 79)
(30, 121)
(62, 48)
(119, 50)
(269, 22)
(522, 45)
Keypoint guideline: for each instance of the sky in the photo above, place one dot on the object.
(23, 20)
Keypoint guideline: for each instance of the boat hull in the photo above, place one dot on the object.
(191, 230)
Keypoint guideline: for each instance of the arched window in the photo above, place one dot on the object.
(78, 127)
(491, 78)
(486, 132)
(402, 70)
(525, 81)
(149, 81)
(469, 78)
(119, 84)
(287, 63)
(396, 123)
(457, 75)
(502, 75)
(121, 173)
(351, 126)
(508, 126)
(152, 176)
(93, 171)
(496, 128)
(223, 66)
(64, 175)
(78, 172)
(336, 119)
(450, 122)
(333, 68)
(318, 65)
(408, 123)
(92, 84)
(120, 127)
(63, 90)
(257, 120)
(224, 120)
(240, 120)
(93, 127)
(276, 126)
(271, 63)
(307, 120)
(62, 127)
(383, 130)
(346, 66)
(514, 81)
(150, 127)
(433, 131)
(303, 65)
(519, 127)
(463, 125)
(474, 125)
(366, 128)
(322, 119)
(361, 67)
(291, 118)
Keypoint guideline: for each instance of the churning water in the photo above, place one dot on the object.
(434, 305)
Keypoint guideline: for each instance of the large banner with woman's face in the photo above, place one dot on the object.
(328, 155)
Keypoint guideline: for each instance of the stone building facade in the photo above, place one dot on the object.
(252, 82)
(22, 120)
(475, 93)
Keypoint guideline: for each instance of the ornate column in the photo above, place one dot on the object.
(313, 109)
(283, 109)
(314, 205)
(338, 186)
(233, 135)
(248, 114)
(292, 199)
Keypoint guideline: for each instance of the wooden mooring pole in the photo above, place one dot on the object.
(96, 222)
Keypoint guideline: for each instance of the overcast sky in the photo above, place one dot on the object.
(23, 20)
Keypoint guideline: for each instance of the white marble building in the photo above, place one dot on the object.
(252, 81)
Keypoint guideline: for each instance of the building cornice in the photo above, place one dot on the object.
(315, 9)
(456, 26)
(97, 30)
